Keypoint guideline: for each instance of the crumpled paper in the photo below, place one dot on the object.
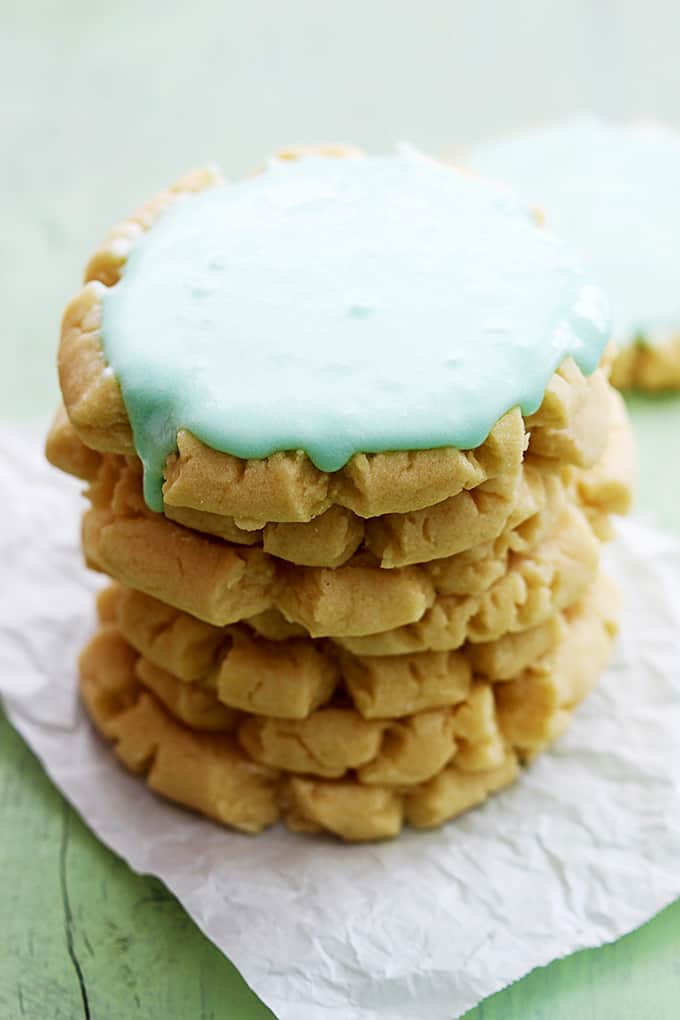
(584, 848)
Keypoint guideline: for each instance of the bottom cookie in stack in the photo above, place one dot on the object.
(314, 736)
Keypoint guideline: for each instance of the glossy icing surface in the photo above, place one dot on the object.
(343, 306)
(613, 192)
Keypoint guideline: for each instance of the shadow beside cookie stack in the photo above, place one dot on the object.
(351, 651)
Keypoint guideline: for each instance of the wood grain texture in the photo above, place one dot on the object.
(81, 936)
(84, 937)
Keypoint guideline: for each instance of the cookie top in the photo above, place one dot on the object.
(612, 192)
(343, 306)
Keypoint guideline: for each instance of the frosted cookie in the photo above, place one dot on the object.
(402, 539)
(451, 526)
(324, 275)
(424, 768)
(331, 539)
(575, 411)
(611, 191)
(231, 583)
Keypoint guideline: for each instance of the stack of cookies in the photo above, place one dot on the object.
(356, 579)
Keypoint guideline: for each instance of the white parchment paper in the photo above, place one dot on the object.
(583, 849)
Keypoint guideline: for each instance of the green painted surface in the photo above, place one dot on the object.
(81, 936)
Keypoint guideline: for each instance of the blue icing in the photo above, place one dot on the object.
(613, 192)
(343, 306)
